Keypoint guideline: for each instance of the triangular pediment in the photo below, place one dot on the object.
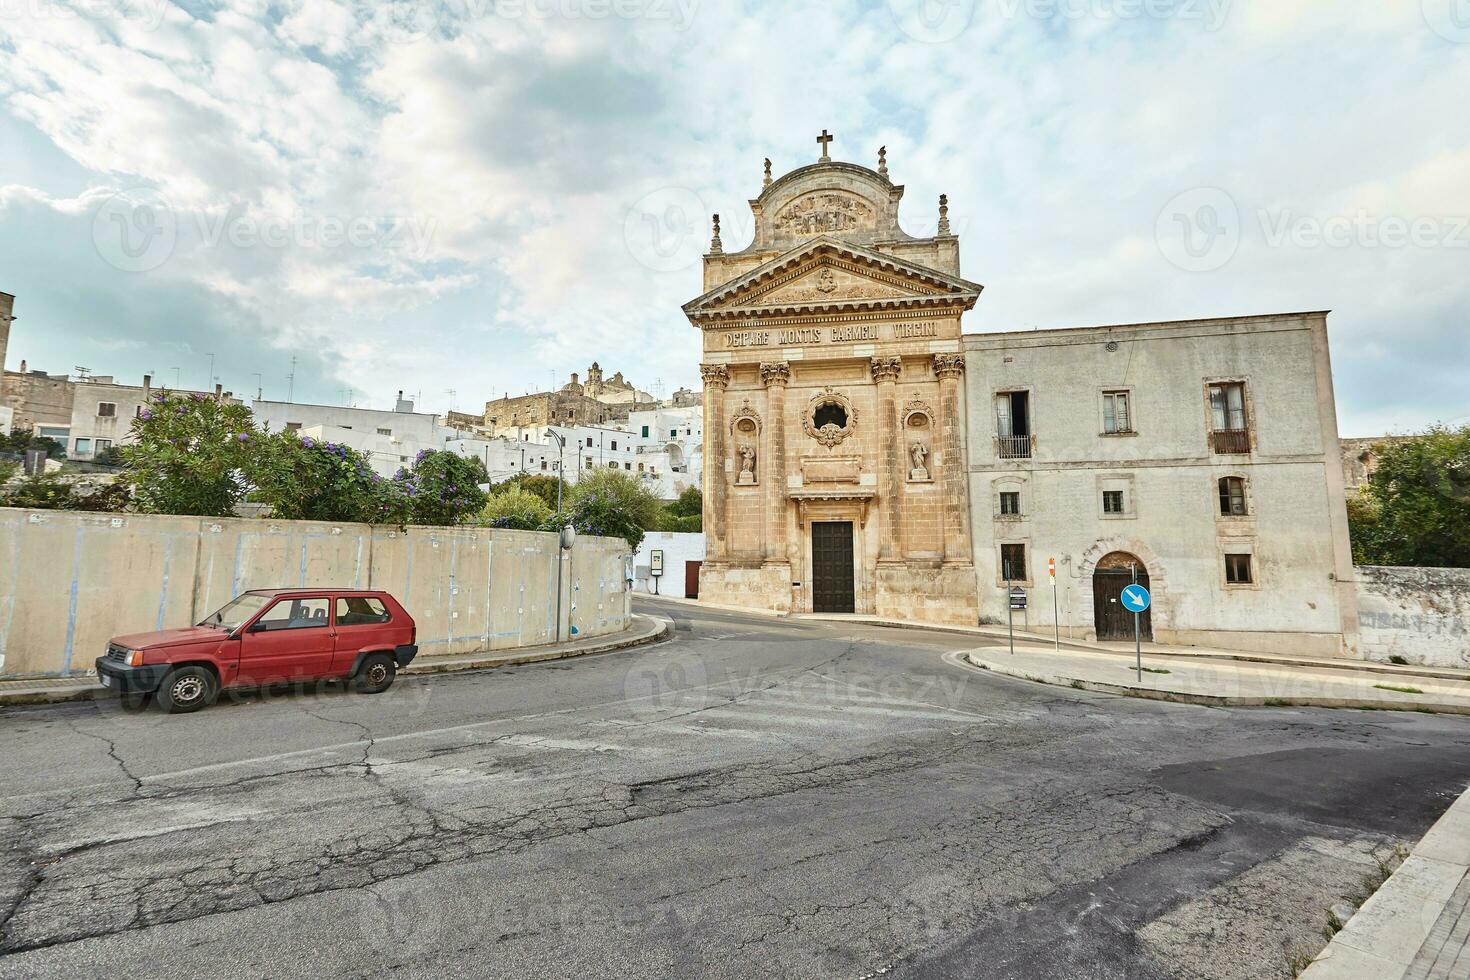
(829, 274)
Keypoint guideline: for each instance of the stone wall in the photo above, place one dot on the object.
(1419, 614)
(38, 398)
(69, 581)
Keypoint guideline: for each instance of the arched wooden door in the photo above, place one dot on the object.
(1114, 572)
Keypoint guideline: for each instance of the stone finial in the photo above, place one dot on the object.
(767, 182)
(825, 139)
(944, 214)
(883, 161)
(716, 247)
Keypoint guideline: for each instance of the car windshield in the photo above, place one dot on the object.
(236, 611)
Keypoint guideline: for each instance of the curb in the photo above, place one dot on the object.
(662, 629)
(1410, 926)
(990, 632)
(1211, 700)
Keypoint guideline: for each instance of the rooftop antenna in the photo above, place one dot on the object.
(83, 373)
(291, 380)
(451, 393)
(259, 389)
(212, 378)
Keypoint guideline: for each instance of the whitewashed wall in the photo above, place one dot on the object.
(1421, 615)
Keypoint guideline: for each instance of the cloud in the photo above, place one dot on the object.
(531, 184)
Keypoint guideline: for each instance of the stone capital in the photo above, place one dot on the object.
(775, 373)
(715, 375)
(886, 368)
(949, 365)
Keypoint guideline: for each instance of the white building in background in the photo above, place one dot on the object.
(681, 554)
(505, 458)
(102, 413)
(670, 443)
(390, 439)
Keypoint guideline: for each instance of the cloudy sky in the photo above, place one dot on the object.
(476, 195)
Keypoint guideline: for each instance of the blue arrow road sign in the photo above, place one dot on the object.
(1136, 598)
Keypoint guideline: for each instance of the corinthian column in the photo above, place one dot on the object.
(949, 368)
(716, 380)
(775, 375)
(891, 454)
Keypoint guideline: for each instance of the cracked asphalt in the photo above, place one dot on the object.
(755, 797)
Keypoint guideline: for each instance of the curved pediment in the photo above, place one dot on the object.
(841, 200)
(828, 274)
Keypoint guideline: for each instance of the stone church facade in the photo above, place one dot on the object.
(834, 405)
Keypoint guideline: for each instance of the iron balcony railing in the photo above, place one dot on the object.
(1013, 447)
(1230, 441)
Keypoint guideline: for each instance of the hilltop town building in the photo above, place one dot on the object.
(597, 401)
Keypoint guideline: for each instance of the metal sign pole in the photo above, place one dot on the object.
(1011, 621)
(1137, 642)
(1056, 621)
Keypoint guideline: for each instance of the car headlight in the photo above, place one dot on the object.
(134, 658)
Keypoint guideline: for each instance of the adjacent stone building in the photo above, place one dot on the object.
(834, 407)
(1200, 458)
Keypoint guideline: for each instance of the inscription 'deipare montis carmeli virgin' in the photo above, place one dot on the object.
(843, 334)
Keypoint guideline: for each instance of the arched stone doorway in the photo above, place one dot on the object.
(1114, 572)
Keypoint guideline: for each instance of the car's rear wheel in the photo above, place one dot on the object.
(375, 674)
(186, 689)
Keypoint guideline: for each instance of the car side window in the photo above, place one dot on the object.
(361, 610)
(294, 614)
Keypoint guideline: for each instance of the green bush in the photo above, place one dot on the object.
(514, 506)
(304, 479)
(1415, 507)
(188, 455)
(44, 491)
(442, 488)
(611, 503)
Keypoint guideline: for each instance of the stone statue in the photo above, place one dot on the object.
(747, 466)
(918, 453)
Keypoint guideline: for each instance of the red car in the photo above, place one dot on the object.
(265, 637)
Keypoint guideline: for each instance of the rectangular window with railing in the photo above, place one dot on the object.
(1229, 425)
(1013, 424)
(1010, 503)
(1013, 562)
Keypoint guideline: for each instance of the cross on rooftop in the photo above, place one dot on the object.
(825, 139)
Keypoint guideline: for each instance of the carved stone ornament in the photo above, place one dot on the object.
(886, 368)
(775, 373)
(911, 411)
(918, 455)
(828, 432)
(715, 375)
(949, 365)
(825, 211)
(745, 423)
(746, 476)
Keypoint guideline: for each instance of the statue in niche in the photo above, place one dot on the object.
(747, 467)
(918, 454)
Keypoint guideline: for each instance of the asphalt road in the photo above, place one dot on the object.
(756, 797)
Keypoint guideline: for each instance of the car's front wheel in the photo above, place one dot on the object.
(186, 689)
(375, 674)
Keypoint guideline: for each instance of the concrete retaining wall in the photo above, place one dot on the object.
(1419, 614)
(69, 581)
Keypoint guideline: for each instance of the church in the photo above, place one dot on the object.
(834, 405)
(864, 455)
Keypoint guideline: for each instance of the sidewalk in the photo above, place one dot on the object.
(1199, 679)
(1416, 926)
(642, 631)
